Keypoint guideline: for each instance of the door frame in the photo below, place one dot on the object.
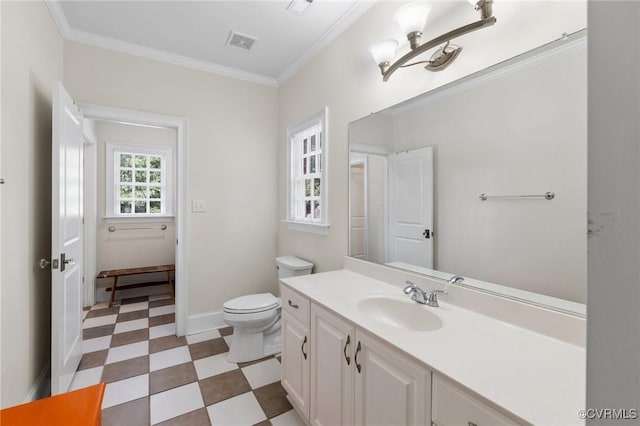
(365, 168)
(97, 112)
(89, 215)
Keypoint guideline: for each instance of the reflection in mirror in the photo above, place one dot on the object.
(519, 128)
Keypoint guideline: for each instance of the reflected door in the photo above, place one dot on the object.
(411, 207)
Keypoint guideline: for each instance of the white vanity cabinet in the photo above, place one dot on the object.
(353, 377)
(332, 369)
(295, 350)
(453, 406)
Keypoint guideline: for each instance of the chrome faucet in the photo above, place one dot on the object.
(422, 296)
(455, 279)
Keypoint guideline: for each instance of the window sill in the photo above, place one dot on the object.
(138, 219)
(311, 228)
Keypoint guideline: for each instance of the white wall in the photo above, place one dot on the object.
(345, 79)
(32, 51)
(131, 248)
(231, 162)
(613, 315)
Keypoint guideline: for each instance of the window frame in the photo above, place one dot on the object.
(295, 134)
(112, 210)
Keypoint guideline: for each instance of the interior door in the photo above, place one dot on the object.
(66, 240)
(411, 207)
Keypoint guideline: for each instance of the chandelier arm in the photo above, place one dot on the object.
(414, 63)
(465, 29)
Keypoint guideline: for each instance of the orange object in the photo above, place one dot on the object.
(82, 407)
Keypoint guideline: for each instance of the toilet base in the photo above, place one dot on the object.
(247, 347)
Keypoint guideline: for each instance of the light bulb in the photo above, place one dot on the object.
(412, 17)
(384, 51)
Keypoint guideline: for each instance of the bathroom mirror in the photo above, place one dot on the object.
(485, 177)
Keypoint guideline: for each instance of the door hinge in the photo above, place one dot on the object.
(427, 234)
(176, 241)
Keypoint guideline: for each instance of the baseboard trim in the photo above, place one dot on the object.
(42, 387)
(205, 322)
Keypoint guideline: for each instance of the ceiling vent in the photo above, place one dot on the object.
(299, 6)
(242, 41)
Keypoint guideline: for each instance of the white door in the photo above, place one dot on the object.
(391, 389)
(66, 241)
(332, 387)
(411, 207)
(358, 209)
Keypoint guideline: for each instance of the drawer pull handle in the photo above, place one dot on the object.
(345, 349)
(302, 347)
(471, 424)
(293, 305)
(358, 349)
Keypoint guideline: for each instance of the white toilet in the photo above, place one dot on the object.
(256, 318)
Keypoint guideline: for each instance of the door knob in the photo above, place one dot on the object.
(44, 263)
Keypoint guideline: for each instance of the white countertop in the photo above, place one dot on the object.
(537, 378)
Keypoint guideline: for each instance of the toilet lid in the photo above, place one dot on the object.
(252, 303)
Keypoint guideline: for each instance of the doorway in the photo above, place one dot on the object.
(117, 242)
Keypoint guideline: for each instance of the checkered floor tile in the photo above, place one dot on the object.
(156, 378)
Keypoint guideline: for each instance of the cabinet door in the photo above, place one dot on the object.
(332, 387)
(391, 389)
(295, 363)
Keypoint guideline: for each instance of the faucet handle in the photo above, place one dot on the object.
(409, 288)
(433, 298)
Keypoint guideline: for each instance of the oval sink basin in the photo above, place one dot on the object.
(403, 314)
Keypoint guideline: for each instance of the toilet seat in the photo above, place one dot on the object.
(252, 303)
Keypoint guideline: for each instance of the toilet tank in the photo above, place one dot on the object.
(291, 266)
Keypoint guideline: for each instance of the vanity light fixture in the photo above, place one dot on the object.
(412, 18)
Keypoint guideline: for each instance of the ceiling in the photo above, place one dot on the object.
(194, 33)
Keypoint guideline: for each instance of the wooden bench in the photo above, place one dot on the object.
(82, 407)
(117, 273)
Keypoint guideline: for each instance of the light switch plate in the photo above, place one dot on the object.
(198, 206)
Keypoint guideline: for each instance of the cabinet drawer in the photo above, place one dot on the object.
(454, 406)
(295, 304)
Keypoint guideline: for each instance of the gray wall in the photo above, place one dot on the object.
(613, 312)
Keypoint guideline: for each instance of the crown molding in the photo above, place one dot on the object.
(348, 18)
(69, 33)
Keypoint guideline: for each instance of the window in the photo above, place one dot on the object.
(307, 189)
(138, 181)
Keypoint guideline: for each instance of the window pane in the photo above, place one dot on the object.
(141, 192)
(312, 164)
(125, 206)
(141, 206)
(154, 177)
(316, 210)
(126, 191)
(126, 175)
(307, 209)
(304, 166)
(154, 162)
(319, 141)
(155, 207)
(154, 192)
(141, 161)
(313, 143)
(126, 160)
(316, 187)
(319, 162)
(141, 176)
(307, 187)
(304, 146)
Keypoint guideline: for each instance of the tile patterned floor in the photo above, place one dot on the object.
(156, 378)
